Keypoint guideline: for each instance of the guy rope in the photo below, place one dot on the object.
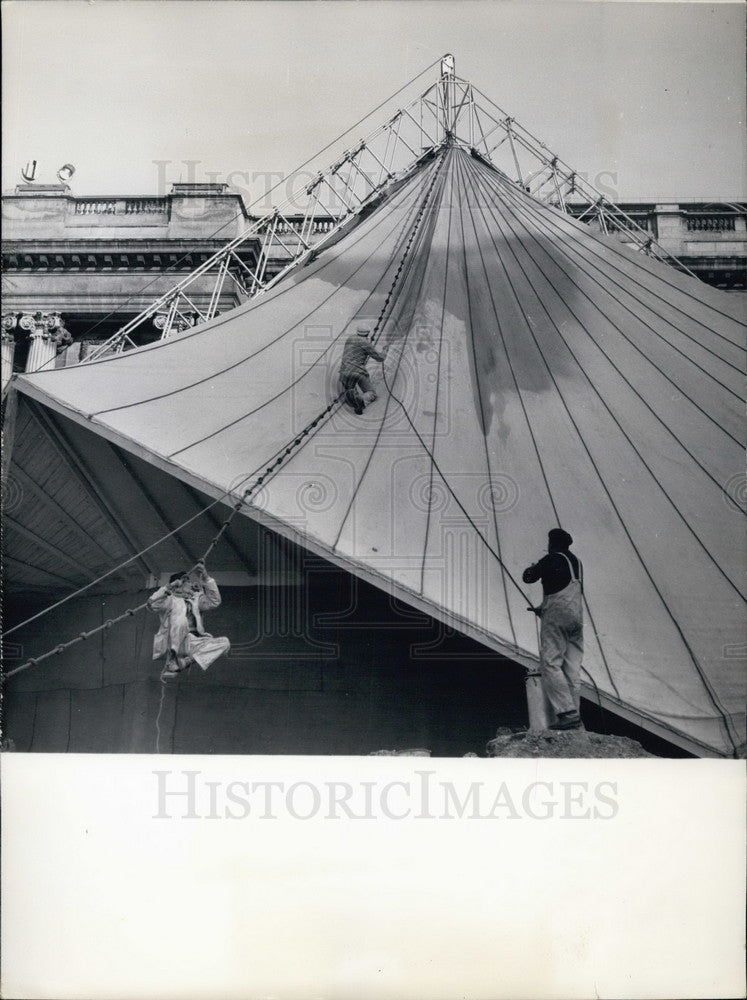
(270, 471)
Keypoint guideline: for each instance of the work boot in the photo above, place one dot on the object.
(175, 665)
(567, 720)
(354, 402)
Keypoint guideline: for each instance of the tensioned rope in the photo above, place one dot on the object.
(270, 470)
(481, 402)
(595, 390)
(522, 403)
(445, 481)
(477, 531)
(636, 262)
(468, 201)
(161, 697)
(572, 254)
(374, 338)
(254, 354)
(720, 709)
(147, 548)
(229, 222)
(419, 436)
(491, 550)
(568, 249)
(133, 558)
(376, 335)
(267, 402)
(115, 569)
(520, 211)
(549, 220)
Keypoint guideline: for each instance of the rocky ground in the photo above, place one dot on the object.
(573, 743)
(568, 743)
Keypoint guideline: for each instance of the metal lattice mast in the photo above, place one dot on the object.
(452, 110)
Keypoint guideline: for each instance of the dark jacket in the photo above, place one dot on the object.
(553, 571)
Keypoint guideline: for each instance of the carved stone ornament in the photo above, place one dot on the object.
(47, 325)
(9, 322)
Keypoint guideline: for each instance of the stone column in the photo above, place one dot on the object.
(9, 323)
(46, 332)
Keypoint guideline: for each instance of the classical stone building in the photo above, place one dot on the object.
(77, 268)
(99, 261)
(710, 239)
(335, 666)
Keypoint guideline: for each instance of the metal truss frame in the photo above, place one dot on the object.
(450, 110)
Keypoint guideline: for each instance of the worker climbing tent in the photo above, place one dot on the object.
(538, 373)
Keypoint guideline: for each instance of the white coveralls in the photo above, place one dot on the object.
(562, 644)
(174, 629)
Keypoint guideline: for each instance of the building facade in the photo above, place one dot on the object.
(320, 662)
(710, 239)
(77, 268)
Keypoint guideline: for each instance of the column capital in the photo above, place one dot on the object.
(48, 336)
(47, 326)
(7, 348)
(8, 324)
(177, 324)
(41, 324)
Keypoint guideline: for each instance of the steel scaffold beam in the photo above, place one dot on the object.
(455, 110)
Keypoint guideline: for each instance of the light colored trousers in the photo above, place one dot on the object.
(205, 649)
(562, 646)
(561, 653)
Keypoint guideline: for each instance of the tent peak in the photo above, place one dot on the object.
(450, 112)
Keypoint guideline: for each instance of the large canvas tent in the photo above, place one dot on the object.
(538, 373)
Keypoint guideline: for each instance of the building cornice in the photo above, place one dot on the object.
(125, 255)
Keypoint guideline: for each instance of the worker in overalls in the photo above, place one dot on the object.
(562, 631)
(354, 378)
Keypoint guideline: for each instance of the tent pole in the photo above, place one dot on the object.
(447, 92)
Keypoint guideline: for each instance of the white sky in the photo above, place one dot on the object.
(652, 93)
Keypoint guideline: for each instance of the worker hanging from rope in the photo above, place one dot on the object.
(562, 630)
(181, 636)
(354, 378)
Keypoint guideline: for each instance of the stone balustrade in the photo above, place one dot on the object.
(710, 223)
(318, 226)
(120, 206)
(196, 211)
(619, 224)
